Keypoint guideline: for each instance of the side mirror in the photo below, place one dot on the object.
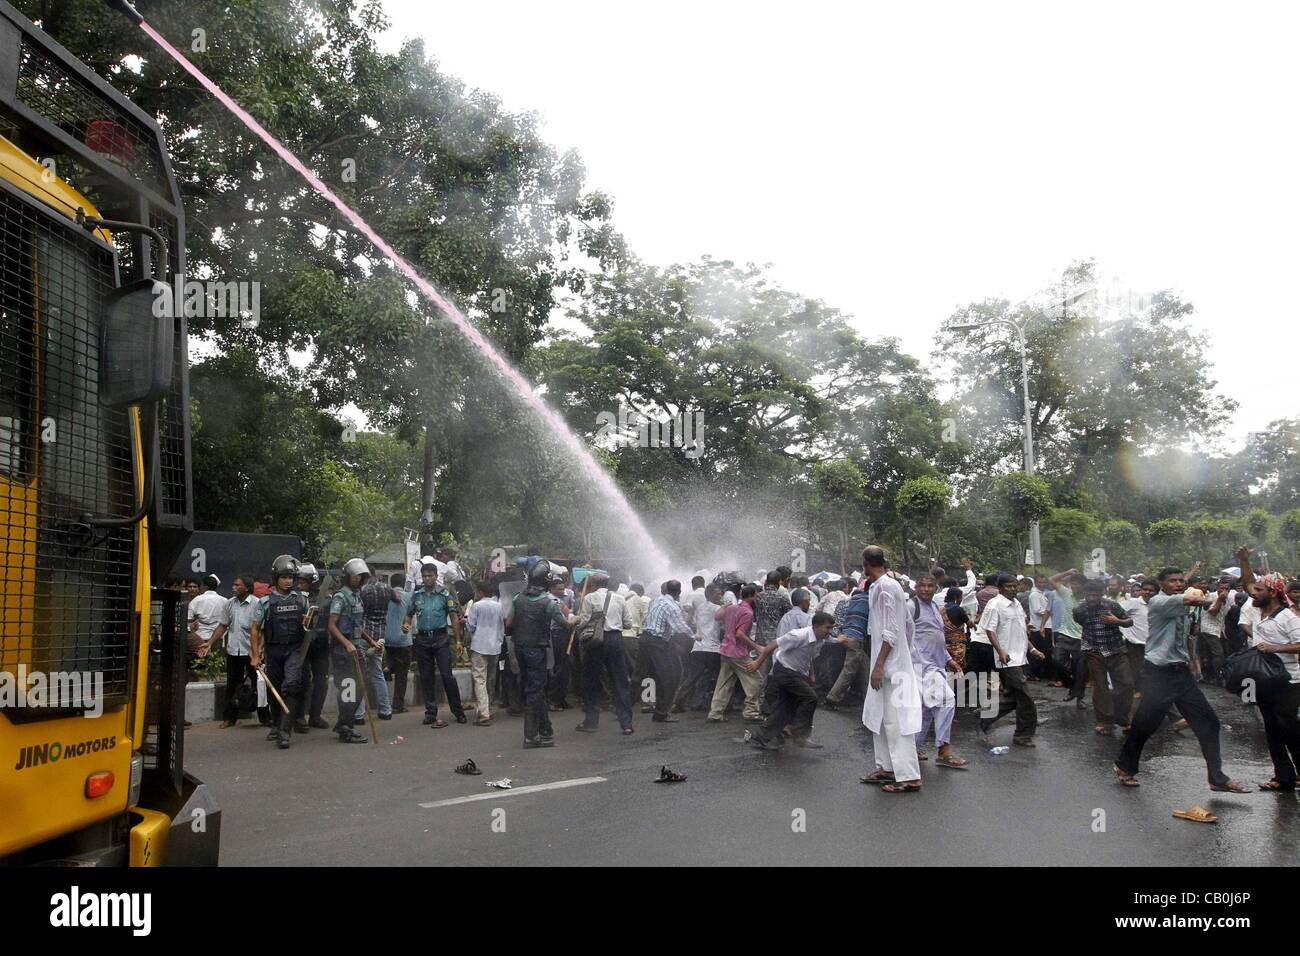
(136, 343)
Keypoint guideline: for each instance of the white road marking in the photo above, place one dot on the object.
(515, 791)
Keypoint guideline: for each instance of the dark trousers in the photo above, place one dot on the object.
(980, 659)
(1162, 687)
(532, 680)
(1112, 704)
(508, 688)
(826, 666)
(1014, 696)
(285, 672)
(351, 692)
(1282, 730)
(790, 700)
(433, 653)
(1136, 655)
(238, 671)
(557, 687)
(701, 676)
(1067, 653)
(1210, 649)
(316, 677)
(665, 665)
(399, 662)
(1046, 668)
(608, 658)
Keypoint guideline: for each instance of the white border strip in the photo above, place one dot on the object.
(498, 794)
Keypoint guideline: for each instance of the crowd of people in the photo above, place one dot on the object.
(542, 639)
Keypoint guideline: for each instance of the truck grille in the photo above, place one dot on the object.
(65, 589)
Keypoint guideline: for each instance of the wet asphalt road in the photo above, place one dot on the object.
(327, 804)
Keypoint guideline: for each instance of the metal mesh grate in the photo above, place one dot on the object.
(65, 589)
(74, 105)
(173, 489)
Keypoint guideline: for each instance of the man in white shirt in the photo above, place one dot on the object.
(892, 710)
(606, 656)
(704, 660)
(1135, 637)
(204, 615)
(487, 633)
(1209, 642)
(789, 693)
(1040, 626)
(1277, 631)
(692, 602)
(1006, 628)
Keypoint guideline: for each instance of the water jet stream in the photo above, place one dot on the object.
(646, 554)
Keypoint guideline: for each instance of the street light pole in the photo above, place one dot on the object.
(1035, 541)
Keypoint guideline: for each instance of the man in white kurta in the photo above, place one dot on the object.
(892, 710)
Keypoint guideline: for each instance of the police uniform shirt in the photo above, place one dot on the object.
(263, 611)
(347, 605)
(431, 608)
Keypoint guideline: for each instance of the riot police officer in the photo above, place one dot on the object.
(347, 628)
(277, 638)
(529, 623)
(316, 658)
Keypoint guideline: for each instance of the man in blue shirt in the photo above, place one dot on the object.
(432, 608)
(1169, 679)
(397, 641)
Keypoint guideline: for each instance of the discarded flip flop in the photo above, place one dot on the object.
(670, 776)
(502, 784)
(469, 768)
(1196, 814)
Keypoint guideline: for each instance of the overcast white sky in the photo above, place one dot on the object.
(900, 159)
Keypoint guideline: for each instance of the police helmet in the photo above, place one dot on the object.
(543, 575)
(356, 566)
(307, 572)
(284, 564)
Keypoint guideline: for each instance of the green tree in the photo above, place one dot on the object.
(1167, 534)
(1290, 531)
(839, 491)
(924, 500)
(1100, 391)
(1257, 524)
(1066, 534)
(1027, 499)
(1123, 542)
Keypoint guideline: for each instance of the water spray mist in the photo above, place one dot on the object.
(650, 557)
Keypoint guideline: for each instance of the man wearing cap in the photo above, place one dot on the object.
(432, 609)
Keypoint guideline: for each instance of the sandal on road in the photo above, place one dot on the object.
(1126, 779)
(952, 762)
(1274, 785)
(1230, 787)
(670, 776)
(913, 787)
(469, 768)
(879, 777)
